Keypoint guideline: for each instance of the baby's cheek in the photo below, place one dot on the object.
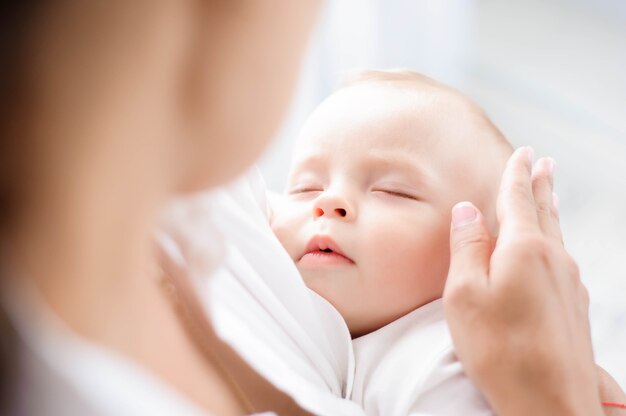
(421, 267)
(285, 230)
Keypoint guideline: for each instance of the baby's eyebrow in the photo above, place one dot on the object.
(310, 162)
(396, 162)
(310, 166)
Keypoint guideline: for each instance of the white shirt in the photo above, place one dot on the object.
(408, 367)
(61, 373)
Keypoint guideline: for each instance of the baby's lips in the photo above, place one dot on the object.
(320, 243)
(319, 258)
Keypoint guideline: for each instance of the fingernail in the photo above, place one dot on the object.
(555, 201)
(531, 155)
(463, 213)
(550, 165)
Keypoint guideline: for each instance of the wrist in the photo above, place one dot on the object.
(511, 397)
(557, 407)
(552, 406)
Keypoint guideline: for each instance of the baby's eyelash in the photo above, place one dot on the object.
(304, 189)
(399, 194)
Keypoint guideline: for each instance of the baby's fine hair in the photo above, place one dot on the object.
(397, 75)
(408, 78)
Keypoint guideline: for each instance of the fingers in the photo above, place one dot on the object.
(610, 391)
(470, 250)
(516, 204)
(545, 200)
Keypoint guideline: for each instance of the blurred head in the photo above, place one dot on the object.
(118, 104)
(192, 88)
(376, 171)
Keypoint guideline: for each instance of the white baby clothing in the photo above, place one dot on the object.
(408, 367)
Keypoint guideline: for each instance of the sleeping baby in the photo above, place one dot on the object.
(366, 219)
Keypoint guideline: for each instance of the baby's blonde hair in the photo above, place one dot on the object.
(401, 75)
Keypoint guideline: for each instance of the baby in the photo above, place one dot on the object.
(366, 219)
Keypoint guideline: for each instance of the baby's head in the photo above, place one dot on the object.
(376, 171)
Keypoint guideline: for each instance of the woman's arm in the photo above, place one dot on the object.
(517, 310)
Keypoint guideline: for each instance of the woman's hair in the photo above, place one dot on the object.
(16, 27)
(8, 361)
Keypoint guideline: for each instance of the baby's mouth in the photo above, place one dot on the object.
(322, 250)
(322, 257)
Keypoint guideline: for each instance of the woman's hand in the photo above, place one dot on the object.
(517, 310)
(611, 392)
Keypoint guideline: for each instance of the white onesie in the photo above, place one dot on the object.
(409, 368)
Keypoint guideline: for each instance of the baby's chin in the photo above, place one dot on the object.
(319, 282)
(330, 286)
(334, 288)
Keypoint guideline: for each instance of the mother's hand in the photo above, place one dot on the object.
(518, 312)
(611, 392)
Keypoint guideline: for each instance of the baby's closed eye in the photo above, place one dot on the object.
(303, 189)
(395, 192)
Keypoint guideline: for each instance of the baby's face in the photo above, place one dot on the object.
(366, 217)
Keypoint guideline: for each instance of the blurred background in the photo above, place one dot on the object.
(551, 74)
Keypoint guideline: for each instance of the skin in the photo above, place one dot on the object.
(131, 103)
(392, 161)
(610, 391)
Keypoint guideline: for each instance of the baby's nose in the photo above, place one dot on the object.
(340, 212)
(333, 207)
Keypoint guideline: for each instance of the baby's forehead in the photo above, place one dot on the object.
(422, 90)
(391, 115)
(384, 102)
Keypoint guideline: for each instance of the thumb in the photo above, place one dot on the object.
(470, 248)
